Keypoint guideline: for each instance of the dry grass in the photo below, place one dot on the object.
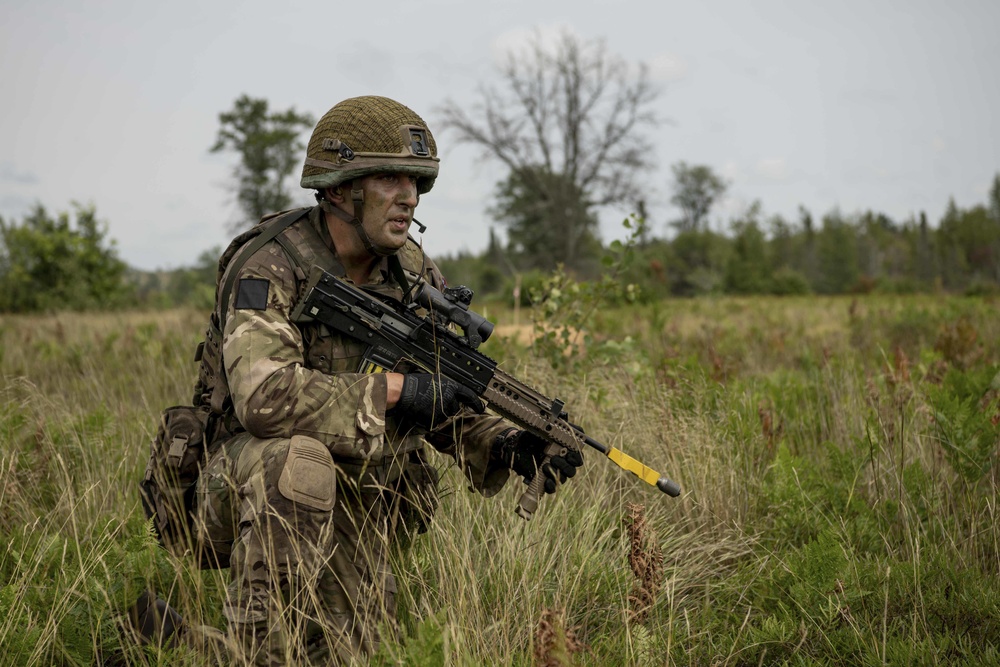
(742, 401)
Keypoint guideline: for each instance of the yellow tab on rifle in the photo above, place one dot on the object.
(626, 462)
(372, 367)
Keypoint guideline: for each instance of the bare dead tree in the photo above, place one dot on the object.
(575, 114)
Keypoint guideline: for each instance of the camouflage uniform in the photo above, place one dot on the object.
(310, 495)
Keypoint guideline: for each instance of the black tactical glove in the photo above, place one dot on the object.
(523, 451)
(429, 400)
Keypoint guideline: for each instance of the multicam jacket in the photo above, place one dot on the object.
(287, 378)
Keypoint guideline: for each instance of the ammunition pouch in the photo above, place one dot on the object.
(185, 436)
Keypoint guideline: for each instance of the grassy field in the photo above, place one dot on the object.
(837, 458)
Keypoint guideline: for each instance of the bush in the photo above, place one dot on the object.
(786, 282)
(966, 409)
(49, 264)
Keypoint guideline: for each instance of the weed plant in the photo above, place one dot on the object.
(838, 460)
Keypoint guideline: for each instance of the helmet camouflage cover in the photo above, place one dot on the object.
(369, 135)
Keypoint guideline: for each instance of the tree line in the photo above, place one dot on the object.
(836, 254)
(67, 262)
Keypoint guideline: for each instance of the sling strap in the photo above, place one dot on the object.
(276, 226)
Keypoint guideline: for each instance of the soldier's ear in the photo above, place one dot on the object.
(334, 195)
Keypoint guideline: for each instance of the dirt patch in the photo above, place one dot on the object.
(525, 334)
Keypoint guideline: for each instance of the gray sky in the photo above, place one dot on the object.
(881, 104)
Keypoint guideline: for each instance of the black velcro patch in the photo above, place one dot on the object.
(252, 294)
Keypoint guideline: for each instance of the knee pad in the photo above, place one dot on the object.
(285, 510)
(308, 476)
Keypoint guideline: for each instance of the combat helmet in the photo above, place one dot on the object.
(369, 135)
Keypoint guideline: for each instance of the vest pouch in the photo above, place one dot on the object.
(168, 487)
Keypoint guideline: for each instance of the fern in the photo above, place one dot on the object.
(816, 570)
(966, 413)
(424, 648)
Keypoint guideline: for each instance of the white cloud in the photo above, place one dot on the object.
(731, 171)
(983, 188)
(772, 168)
(520, 39)
(732, 206)
(667, 67)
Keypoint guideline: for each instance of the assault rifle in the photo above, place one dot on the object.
(394, 332)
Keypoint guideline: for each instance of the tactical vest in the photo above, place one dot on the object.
(304, 248)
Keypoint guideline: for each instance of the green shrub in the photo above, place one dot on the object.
(966, 408)
(786, 281)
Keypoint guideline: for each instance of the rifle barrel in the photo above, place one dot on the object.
(637, 468)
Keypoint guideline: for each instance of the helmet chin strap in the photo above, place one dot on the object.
(358, 197)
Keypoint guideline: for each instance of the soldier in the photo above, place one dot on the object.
(322, 465)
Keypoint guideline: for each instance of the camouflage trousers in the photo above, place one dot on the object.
(310, 581)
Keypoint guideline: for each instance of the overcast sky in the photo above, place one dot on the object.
(876, 104)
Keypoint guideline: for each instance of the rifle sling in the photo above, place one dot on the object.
(396, 269)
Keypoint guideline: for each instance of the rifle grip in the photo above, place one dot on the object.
(528, 503)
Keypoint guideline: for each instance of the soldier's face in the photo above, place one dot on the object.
(388, 209)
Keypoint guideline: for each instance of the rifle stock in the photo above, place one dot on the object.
(394, 332)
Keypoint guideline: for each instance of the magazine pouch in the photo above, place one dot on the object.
(176, 456)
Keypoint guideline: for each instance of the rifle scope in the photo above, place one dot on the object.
(453, 306)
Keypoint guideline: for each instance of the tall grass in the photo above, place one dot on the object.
(837, 460)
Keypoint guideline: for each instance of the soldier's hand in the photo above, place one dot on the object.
(523, 452)
(429, 400)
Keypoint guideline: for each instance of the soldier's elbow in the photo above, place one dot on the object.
(263, 420)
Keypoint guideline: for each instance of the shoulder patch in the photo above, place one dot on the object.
(252, 294)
